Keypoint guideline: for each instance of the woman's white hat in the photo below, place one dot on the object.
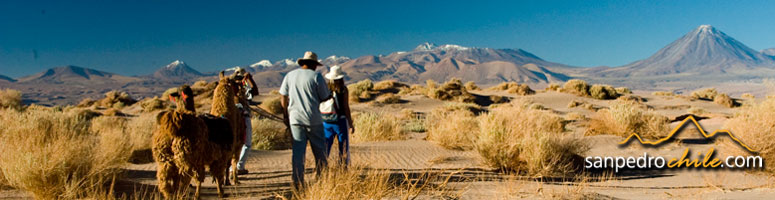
(335, 73)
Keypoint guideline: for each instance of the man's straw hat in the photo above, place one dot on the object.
(309, 56)
(335, 73)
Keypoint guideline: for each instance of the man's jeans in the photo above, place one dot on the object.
(316, 137)
(243, 157)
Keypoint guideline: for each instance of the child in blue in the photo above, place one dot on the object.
(337, 121)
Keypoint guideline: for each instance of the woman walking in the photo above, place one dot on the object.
(337, 120)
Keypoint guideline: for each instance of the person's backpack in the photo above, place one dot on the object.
(329, 109)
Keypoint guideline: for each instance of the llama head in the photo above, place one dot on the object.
(184, 99)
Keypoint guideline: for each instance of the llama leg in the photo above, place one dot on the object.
(165, 184)
(198, 187)
(234, 169)
(225, 174)
(218, 174)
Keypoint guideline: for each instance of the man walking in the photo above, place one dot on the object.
(302, 90)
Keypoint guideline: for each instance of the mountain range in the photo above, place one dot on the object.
(692, 60)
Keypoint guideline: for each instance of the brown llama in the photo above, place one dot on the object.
(183, 147)
(223, 105)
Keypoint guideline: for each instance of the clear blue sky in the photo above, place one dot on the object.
(137, 38)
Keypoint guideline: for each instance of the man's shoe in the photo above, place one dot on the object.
(242, 172)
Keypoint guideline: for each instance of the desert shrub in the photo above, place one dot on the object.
(113, 112)
(576, 103)
(363, 182)
(514, 88)
(140, 129)
(413, 90)
(631, 97)
(724, 100)
(747, 96)
(86, 102)
(552, 87)
(623, 118)
(471, 86)
(470, 107)
(376, 126)
(518, 139)
(360, 90)
(451, 90)
(389, 98)
(116, 99)
(623, 90)
(754, 126)
(705, 94)
(274, 105)
(389, 85)
(431, 84)
(452, 129)
(153, 104)
(663, 93)
(10, 99)
(72, 158)
(602, 92)
(498, 99)
(521, 89)
(697, 111)
(270, 135)
(576, 86)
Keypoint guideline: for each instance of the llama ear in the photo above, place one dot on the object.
(220, 75)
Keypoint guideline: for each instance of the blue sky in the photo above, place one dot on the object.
(137, 37)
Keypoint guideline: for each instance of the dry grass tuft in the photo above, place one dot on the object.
(471, 86)
(73, 157)
(623, 118)
(724, 100)
(389, 98)
(389, 85)
(498, 99)
(704, 94)
(360, 91)
(603, 92)
(10, 99)
(113, 112)
(754, 125)
(274, 105)
(514, 88)
(663, 93)
(576, 103)
(360, 182)
(623, 90)
(270, 135)
(376, 126)
(116, 99)
(452, 128)
(153, 104)
(747, 96)
(576, 86)
(452, 90)
(552, 87)
(516, 138)
(574, 116)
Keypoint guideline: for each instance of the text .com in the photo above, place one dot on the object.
(704, 160)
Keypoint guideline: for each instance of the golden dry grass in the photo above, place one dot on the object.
(704, 94)
(452, 90)
(663, 93)
(388, 98)
(376, 126)
(755, 125)
(361, 182)
(360, 91)
(747, 96)
(471, 86)
(452, 128)
(624, 117)
(115, 99)
(697, 111)
(514, 88)
(61, 155)
(10, 98)
(152, 104)
(724, 100)
(516, 138)
(552, 87)
(389, 85)
(273, 105)
(602, 92)
(576, 86)
(269, 135)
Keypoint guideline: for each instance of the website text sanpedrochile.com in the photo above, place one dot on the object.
(704, 160)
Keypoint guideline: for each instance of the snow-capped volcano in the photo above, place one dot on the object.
(769, 52)
(335, 60)
(261, 64)
(703, 50)
(176, 70)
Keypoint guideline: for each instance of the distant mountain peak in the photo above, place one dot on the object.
(177, 70)
(703, 50)
(769, 52)
(262, 64)
(6, 78)
(427, 46)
